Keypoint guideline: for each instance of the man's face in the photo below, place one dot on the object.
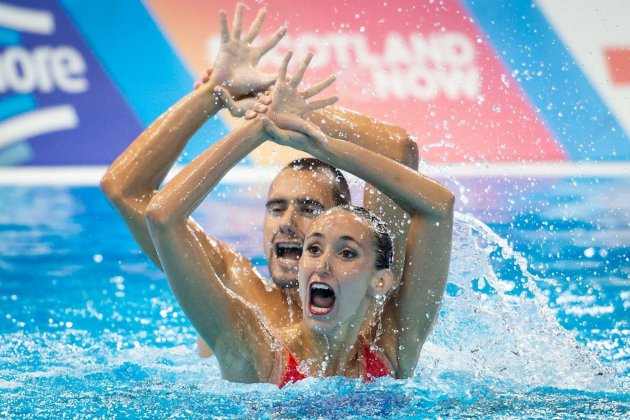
(295, 198)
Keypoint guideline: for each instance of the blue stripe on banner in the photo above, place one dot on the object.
(555, 85)
(16, 104)
(140, 61)
(9, 37)
(133, 51)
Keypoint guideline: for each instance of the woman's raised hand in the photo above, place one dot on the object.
(235, 78)
(285, 97)
(283, 107)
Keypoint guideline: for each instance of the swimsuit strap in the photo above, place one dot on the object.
(291, 372)
(373, 365)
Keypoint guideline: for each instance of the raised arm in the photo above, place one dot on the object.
(416, 302)
(379, 137)
(197, 275)
(230, 325)
(132, 180)
(429, 205)
(386, 140)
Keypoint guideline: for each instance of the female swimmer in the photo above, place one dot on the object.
(344, 275)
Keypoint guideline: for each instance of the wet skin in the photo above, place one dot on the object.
(295, 199)
(215, 287)
(337, 276)
(134, 180)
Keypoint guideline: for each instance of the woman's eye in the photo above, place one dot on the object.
(313, 250)
(348, 254)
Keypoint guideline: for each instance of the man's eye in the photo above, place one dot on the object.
(275, 210)
(348, 254)
(311, 211)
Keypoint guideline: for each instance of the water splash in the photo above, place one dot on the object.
(496, 349)
(501, 329)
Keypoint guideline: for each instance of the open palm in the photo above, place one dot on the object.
(235, 66)
(284, 106)
(285, 97)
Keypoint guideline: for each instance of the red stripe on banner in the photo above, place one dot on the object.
(424, 66)
(618, 60)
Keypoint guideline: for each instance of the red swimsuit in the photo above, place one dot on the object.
(373, 367)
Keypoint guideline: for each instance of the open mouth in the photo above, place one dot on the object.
(322, 298)
(288, 253)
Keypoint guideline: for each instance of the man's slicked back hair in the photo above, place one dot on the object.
(341, 191)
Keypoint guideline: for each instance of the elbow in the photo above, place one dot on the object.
(449, 204)
(442, 209)
(411, 153)
(406, 149)
(446, 210)
(111, 188)
(157, 214)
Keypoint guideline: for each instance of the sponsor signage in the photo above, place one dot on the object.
(57, 105)
(474, 82)
(424, 66)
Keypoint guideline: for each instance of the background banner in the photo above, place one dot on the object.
(472, 81)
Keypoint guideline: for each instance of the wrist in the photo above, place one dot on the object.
(255, 128)
(213, 102)
(315, 144)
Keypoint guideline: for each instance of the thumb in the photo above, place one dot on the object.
(241, 106)
(223, 97)
(268, 125)
(297, 124)
(265, 81)
(271, 129)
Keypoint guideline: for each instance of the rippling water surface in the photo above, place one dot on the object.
(535, 321)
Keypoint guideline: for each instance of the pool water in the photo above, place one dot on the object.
(534, 323)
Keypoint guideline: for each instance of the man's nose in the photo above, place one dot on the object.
(287, 224)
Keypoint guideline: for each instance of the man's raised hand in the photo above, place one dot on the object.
(234, 75)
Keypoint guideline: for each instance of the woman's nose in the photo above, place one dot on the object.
(323, 268)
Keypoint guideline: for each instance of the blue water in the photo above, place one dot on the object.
(535, 322)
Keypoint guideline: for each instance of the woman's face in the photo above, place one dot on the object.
(336, 270)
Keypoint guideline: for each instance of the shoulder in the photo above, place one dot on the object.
(225, 259)
(240, 276)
